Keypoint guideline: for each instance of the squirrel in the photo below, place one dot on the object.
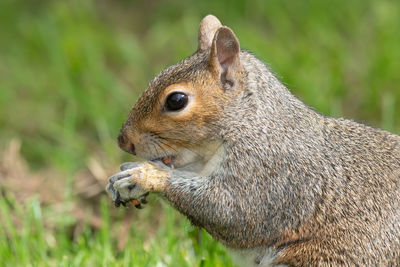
(278, 183)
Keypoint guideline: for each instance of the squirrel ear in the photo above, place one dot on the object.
(224, 56)
(208, 26)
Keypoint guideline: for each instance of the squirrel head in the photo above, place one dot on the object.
(174, 119)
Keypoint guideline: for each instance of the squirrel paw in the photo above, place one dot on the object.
(135, 181)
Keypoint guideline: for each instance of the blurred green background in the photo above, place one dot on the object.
(70, 71)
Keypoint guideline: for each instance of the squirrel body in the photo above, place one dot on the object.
(263, 173)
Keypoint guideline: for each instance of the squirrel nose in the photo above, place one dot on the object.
(125, 144)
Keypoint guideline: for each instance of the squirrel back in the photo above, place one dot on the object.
(262, 171)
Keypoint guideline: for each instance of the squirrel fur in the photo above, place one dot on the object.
(262, 172)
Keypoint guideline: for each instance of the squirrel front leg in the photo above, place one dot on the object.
(137, 179)
(207, 202)
(203, 199)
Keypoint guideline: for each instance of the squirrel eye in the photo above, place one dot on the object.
(176, 101)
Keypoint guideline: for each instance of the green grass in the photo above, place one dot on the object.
(70, 71)
(26, 240)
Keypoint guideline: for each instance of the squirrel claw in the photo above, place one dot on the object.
(117, 201)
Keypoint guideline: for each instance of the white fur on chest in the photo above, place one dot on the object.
(255, 257)
(211, 157)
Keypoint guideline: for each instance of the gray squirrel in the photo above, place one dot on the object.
(280, 184)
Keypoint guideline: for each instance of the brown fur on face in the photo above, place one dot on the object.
(149, 121)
